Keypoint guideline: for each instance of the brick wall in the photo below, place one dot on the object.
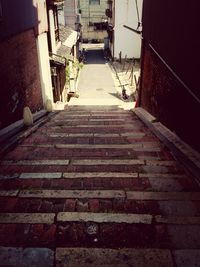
(19, 77)
(168, 100)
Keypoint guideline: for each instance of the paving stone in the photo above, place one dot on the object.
(85, 146)
(178, 208)
(168, 184)
(56, 135)
(177, 220)
(163, 195)
(108, 135)
(133, 134)
(95, 146)
(155, 169)
(104, 217)
(82, 257)
(40, 175)
(9, 176)
(82, 206)
(94, 205)
(108, 162)
(11, 193)
(47, 218)
(19, 257)
(148, 149)
(35, 162)
(184, 236)
(187, 257)
(162, 175)
(72, 194)
(99, 174)
(161, 162)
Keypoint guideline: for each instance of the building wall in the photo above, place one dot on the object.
(70, 13)
(19, 80)
(44, 67)
(93, 13)
(13, 22)
(170, 65)
(126, 41)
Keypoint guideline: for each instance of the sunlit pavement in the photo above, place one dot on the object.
(94, 187)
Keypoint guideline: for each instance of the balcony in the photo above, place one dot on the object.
(55, 2)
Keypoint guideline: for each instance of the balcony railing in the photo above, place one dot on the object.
(55, 2)
(58, 59)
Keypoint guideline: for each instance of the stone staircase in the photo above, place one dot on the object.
(94, 187)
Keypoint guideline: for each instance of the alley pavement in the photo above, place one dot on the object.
(94, 187)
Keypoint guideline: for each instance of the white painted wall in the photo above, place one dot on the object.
(44, 66)
(126, 41)
(52, 31)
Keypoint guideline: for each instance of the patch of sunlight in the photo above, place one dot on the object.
(102, 102)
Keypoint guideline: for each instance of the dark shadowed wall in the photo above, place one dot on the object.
(170, 66)
(19, 69)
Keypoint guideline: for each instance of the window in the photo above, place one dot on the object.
(94, 2)
(55, 14)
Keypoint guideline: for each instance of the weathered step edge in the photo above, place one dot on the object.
(181, 151)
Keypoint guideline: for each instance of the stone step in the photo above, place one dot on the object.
(108, 217)
(29, 218)
(90, 257)
(103, 194)
(92, 129)
(34, 162)
(166, 208)
(99, 135)
(108, 162)
(82, 175)
(136, 146)
(18, 257)
(102, 116)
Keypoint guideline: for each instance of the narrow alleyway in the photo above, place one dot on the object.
(94, 187)
(96, 85)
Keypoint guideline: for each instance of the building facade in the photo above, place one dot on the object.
(123, 41)
(71, 13)
(170, 64)
(32, 71)
(93, 19)
(20, 82)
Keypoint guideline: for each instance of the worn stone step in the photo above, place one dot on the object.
(138, 135)
(108, 162)
(104, 217)
(99, 174)
(163, 195)
(77, 175)
(28, 218)
(137, 146)
(72, 194)
(89, 120)
(53, 126)
(18, 256)
(132, 195)
(100, 130)
(34, 162)
(90, 257)
(92, 123)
